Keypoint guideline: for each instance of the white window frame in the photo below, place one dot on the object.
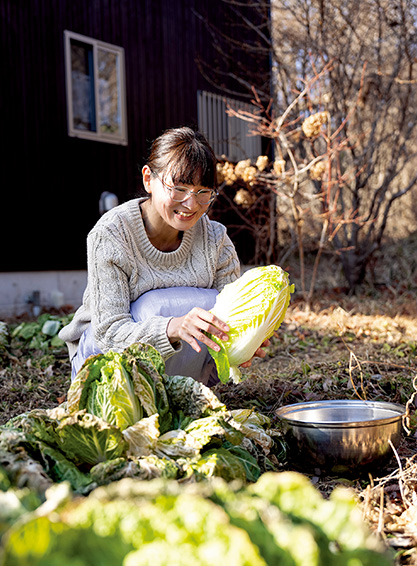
(119, 137)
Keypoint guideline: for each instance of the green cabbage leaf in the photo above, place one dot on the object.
(281, 519)
(104, 388)
(254, 307)
(87, 439)
(122, 388)
(124, 417)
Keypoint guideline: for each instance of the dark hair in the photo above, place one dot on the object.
(186, 155)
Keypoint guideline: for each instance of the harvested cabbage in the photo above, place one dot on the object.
(253, 306)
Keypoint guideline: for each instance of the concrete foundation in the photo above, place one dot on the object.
(30, 292)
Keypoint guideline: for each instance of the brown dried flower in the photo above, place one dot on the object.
(279, 166)
(241, 166)
(312, 125)
(317, 171)
(226, 173)
(249, 174)
(243, 198)
(262, 162)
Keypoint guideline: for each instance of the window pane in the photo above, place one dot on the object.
(83, 102)
(109, 92)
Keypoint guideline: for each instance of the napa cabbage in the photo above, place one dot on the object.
(254, 307)
(281, 519)
(121, 388)
(124, 417)
(106, 390)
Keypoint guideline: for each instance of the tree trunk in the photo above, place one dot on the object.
(354, 266)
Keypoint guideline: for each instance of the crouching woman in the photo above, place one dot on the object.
(156, 264)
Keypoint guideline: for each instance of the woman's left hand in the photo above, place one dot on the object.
(258, 354)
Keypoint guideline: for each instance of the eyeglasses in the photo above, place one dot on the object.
(179, 194)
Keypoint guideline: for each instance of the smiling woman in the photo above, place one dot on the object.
(170, 209)
(157, 263)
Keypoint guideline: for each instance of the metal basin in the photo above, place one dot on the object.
(343, 436)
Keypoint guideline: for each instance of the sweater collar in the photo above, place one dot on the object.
(148, 250)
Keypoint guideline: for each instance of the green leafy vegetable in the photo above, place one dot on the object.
(253, 306)
(85, 438)
(143, 436)
(145, 468)
(51, 327)
(41, 334)
(279, 520)
(60, 469)
(104, 388)
(15, 503)
(144, 439)
(249, 462)
(4, 335)
(190, 397)
(219, 462)
(214, 430)
(125, 418)
(121, 388)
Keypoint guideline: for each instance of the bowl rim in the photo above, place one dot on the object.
(285, 411)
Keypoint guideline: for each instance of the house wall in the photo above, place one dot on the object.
(50, 182)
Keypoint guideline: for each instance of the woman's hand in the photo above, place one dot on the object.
(192, 326)
(258, 354)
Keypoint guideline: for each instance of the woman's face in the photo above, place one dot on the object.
(180, 216)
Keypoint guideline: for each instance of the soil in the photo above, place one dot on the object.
(342, 347)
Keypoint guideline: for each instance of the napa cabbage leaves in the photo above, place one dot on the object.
(104, 388)
(122, 388)
(124, 417)
(254, 307)
(279, 519)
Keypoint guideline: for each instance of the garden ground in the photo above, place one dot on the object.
(343, 347)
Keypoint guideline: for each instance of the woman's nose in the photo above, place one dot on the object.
(188, 202)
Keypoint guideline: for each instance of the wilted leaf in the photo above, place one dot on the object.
(87, 439)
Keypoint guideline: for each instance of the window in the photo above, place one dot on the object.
(228, 136)
(95, 81)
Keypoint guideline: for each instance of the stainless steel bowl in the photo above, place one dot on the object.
(341, 436)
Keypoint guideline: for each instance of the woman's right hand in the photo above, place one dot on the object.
(192, 327)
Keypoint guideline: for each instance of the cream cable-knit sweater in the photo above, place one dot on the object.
(123, 264)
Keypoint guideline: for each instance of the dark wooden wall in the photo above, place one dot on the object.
(50, 183)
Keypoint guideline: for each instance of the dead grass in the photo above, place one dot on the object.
(360, 347)
(389, 506)
(344, 347)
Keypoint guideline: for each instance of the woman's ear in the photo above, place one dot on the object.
(146, 178)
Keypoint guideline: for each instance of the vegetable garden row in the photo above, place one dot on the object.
(138, 467)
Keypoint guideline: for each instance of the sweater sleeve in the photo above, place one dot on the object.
(228, 264)
(114, 327)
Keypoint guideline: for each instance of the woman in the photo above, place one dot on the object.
(156, 264)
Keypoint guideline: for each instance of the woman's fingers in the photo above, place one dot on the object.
(211, 323)
(192, 327)
(260, 353)
(202, 322)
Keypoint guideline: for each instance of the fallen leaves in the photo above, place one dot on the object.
(389, 506)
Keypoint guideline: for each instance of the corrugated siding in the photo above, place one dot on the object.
(229, 136)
